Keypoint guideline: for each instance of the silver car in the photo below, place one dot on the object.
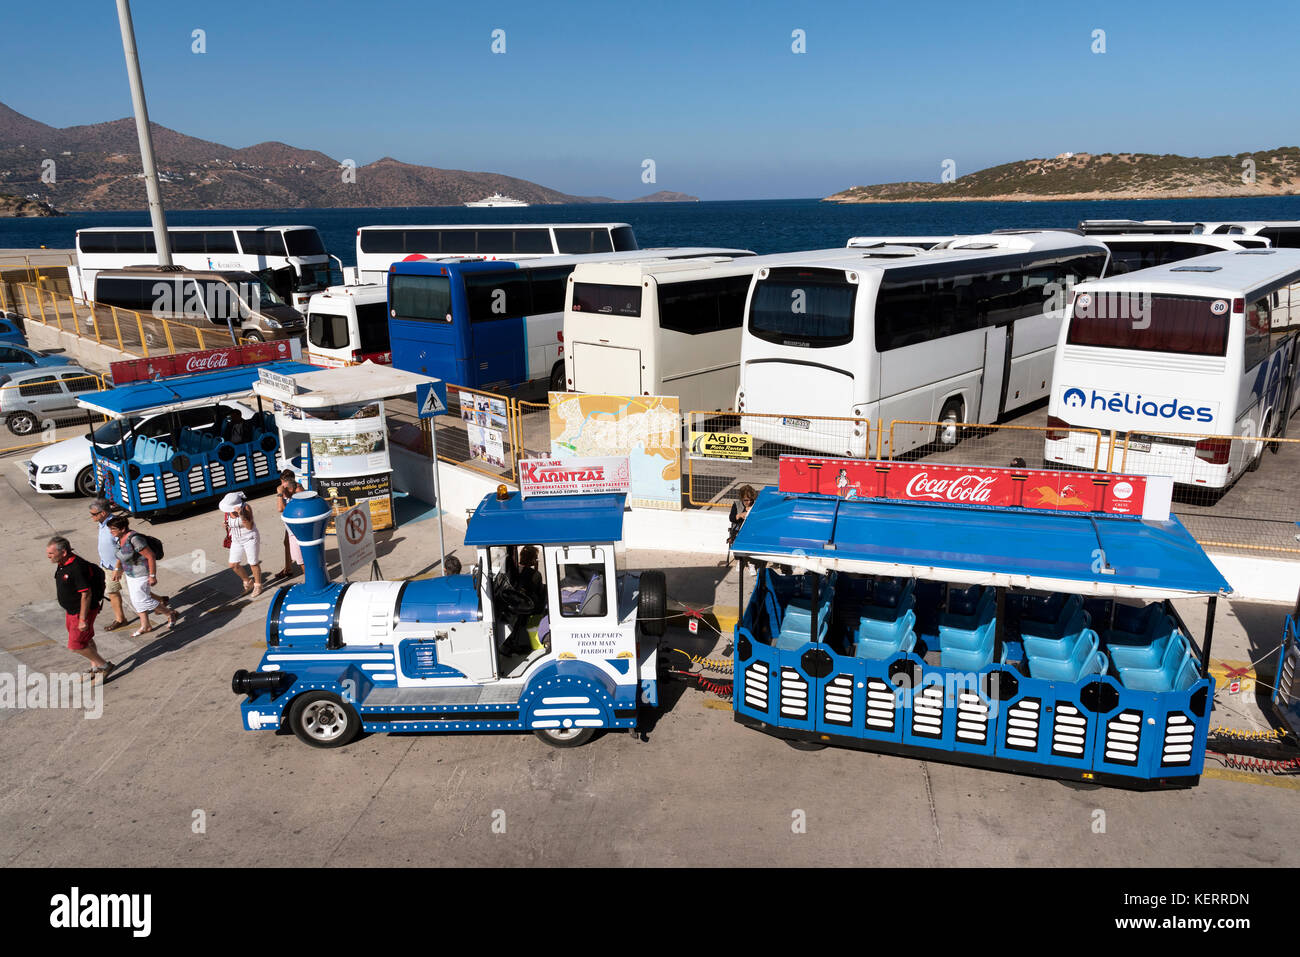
(27, 399)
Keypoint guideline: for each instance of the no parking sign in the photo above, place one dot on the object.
(356, 539)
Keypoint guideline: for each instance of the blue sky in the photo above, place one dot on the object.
(711, 91)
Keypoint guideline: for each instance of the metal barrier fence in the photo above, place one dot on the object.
(1234, 492)
(479, 432)
(715, 483)
(41, 409)
(134, 333)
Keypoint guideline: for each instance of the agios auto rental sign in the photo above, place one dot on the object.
(574, 476)
(1011, 487)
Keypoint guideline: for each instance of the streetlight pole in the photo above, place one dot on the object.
(156, 214)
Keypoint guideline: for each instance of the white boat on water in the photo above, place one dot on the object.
(496, 199)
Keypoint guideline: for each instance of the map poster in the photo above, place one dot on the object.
(374, 490)
(645, 428)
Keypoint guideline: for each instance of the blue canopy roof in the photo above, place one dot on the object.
(557, 520)
(1057, 551)
(178, 392)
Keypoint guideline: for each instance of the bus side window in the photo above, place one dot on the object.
(1256, 330)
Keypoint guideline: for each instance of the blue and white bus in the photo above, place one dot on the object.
(493, 323)
(1180, 361)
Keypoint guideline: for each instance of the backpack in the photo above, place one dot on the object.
(154, 544)
(95, 575)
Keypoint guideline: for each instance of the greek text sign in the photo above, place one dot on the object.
(577, 476)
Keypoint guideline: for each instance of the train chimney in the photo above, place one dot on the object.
(306, 516)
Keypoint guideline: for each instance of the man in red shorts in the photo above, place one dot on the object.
(81, 593)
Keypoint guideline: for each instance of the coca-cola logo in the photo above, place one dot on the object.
(204, 363)
(964, 488)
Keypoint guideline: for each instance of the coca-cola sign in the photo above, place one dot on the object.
(967, 485)
(193, 363)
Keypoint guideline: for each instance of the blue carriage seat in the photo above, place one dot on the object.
(880, 617)
(1060, 645)
(971, 608)
(798, 608)
(1145, 649)
(150, 451)
(1051, 619)
(1166, 675)
(969, 650)
(882, 643)
(1084, 660)
(1135, 621)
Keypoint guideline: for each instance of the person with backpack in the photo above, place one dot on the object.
(137, 564)
(79, 585)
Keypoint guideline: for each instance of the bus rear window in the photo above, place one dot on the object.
(624, 239)
(608, 300)
(802, 312)
(1147, 323)
(420, 298)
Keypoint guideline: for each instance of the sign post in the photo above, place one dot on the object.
(356, 541)
(431, 401)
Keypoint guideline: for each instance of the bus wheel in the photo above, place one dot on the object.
(557, 377)
(85, 484)
(1258, 458)
(948, 434)
(805, 745)
(253, 336)
(652, 603)
(323, 720)
(565, 737)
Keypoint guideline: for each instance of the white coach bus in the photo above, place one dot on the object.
(378, 247)
(291, 260)
(1206, 348)
(660, 328)
(963, 333)
(1130, 252)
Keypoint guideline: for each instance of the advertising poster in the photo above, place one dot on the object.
(348, 447)
(485, 427)
(573, 476)
(374, 490)
(731, 446)
(647, 429)
(968, 485)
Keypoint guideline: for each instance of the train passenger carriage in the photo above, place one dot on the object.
(1038, 642)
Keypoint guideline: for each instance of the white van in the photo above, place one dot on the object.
(347, 325)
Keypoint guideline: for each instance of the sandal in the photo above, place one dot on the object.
(257, 589)
(248, 586)
(173, 618)
(105, 671)
(140, 631)
(116, 625)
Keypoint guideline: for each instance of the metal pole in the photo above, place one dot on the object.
(1209, 634)
(156, 215)
(437, 492)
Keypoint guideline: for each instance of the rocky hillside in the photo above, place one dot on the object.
(98, 167)
(666, 196)
(1105, 176)
(17, 206)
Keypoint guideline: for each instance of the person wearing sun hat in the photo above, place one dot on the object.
(243, 541)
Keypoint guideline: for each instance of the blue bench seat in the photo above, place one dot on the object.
(1177, 665)
(1084, 659)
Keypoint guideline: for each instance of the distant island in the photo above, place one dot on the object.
(18, 206)
(1076, 176)
(665, 196)
(97, 167)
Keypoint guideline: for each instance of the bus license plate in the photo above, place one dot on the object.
(796, 423)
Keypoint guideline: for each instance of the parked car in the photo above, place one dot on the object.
(11, 330)
(65, 467)
(20, 358)
(35, 395)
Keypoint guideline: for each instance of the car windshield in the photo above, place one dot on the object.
(111, 432)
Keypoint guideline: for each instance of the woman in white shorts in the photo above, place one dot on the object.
(244, 541)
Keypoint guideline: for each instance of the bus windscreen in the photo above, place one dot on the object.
(1148, 323)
